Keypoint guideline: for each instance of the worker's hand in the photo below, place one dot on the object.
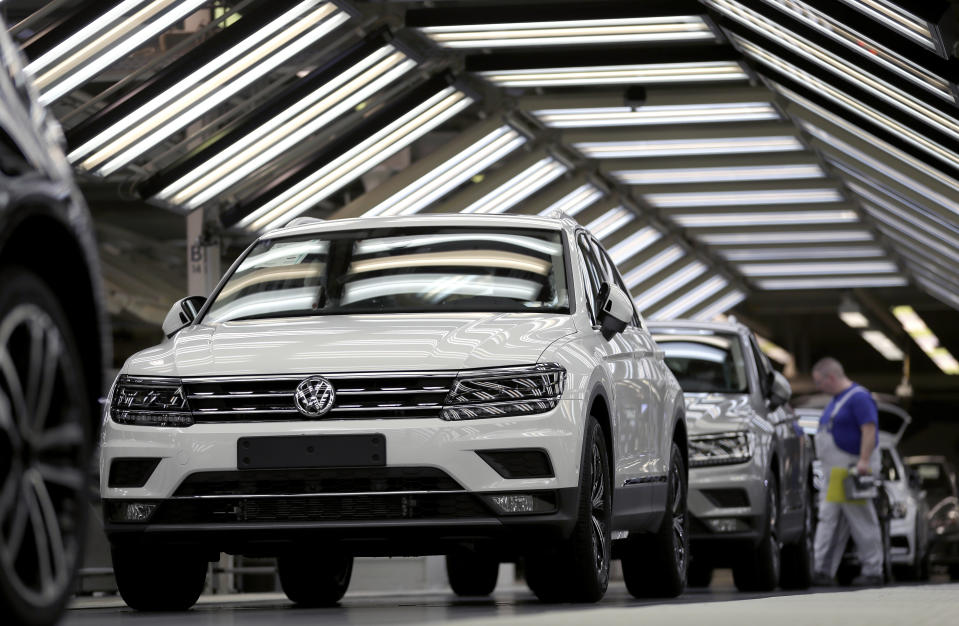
(862, 468)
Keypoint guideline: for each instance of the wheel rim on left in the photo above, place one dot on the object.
(43, 481)
(598, 512)
(678, 495)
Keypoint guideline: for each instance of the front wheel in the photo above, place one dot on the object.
(798, 559)
(760, 570)
(472, 574)
(314, 579)
(654, 566)
(158, 579)
(578, 570)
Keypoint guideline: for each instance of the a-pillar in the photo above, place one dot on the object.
(202, 255)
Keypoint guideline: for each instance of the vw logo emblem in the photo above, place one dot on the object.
(314, 397)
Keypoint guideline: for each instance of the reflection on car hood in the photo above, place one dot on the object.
(346, 343)
(717, 412)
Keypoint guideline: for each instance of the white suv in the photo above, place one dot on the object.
(475, 386)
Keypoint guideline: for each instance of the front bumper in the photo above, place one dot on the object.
(367, 508)
(726, 503)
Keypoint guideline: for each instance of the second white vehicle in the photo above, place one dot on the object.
(475, 386)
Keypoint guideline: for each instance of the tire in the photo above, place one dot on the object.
(798, 559)
(655, 566)
(158, 578)
(45, 452)
(472, 574)
(700, 574)
(311, 579)
(760, 570)
(578, 570)
(918, 570)
(954, 572)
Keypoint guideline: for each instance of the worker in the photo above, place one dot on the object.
(846, 442)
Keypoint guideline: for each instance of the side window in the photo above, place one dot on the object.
(763, 366)
(612, 275)
(592, 274)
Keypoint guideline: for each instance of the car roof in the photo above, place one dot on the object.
(305, 226)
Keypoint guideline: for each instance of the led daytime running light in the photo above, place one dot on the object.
(503, 392)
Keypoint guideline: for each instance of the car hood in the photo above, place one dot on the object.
(708, 413)
(351, 343)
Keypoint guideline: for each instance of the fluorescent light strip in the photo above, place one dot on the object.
(648, 115)
(575, 201)
(897, 229)
(817, 269)
(675, 281)
(947, 236)
(518, 188)
(845, 101)
(214, 91)
(865, 46)
(767, 218)
(653, 265)
(618, 74)
(851, 282)
(854, 319)
(878, 144)
(105, 48)
(719, 307)
(358, 160)
(882, 344)
(925, 339)
(226, 69)
(567, 32)
(814, 236)
(893, 173)
(288, 128)
(634, 244)
(741, 198)
(894, 17)
(689, 300)
(429, 188)
(739, 255)
(686, 147)
(878, 88)
(609, 222)
(691, 175)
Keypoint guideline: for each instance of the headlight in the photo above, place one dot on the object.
(150, 402)
(720, 449)
(505, 391)
(899, 510)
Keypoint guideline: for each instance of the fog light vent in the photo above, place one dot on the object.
(131, 472)
(727, 525)
(526, 463)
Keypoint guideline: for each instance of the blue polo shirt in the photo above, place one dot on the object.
(859, 409)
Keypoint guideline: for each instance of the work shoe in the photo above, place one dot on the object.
(866, 581)
(821, 579)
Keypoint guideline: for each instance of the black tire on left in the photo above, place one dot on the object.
(158, 578)
(655, 565)
(313, 579)
(578, 569)
(798, 559)
(759, 571)
(45, 451)
(472, 574)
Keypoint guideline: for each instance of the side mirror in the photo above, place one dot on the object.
(182, 313)
(615, 310)
(780, 392)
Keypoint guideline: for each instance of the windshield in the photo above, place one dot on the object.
(397, 270)
(705, 363)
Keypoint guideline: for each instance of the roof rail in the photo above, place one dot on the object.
(303, 221)
(558, 214)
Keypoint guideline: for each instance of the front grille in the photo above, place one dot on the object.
(345, 508)
(358, 396)
(899, 541)
(304, 481)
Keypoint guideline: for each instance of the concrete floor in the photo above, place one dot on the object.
(916, 605)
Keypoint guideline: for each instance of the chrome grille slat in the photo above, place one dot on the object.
(378, 395)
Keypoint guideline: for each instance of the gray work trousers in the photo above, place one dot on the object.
(840, 520)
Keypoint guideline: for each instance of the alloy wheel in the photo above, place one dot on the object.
(678, 499)
(43, 446)
(598, 512)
